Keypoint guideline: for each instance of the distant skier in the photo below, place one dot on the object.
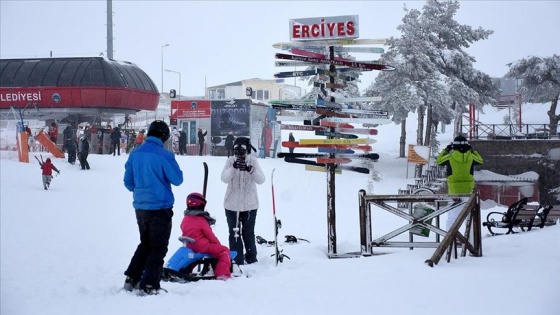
(201, 134)
(47, 168)
(139, 138)
(83, 152)
(291, 139)
(115, 141)
(459, 158)
(182, 142)
(229, 144)
(53, 132)
(196, 224)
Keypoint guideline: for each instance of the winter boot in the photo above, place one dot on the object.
(150, 290)
(130, 284)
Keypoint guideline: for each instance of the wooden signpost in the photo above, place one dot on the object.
(332, 116)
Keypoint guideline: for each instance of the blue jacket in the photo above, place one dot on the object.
(149, 172)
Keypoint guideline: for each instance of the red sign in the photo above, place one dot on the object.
(190, 109)
(78, 97)
(324, 28)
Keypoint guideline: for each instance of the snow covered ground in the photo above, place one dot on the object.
(63, 251)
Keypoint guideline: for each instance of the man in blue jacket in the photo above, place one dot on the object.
(149, 172)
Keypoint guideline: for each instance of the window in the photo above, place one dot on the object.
(262, 94)
(217, 94)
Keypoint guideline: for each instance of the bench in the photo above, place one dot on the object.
(548, 216)
(508, 220)
(525, 217)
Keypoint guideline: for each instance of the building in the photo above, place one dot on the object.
(238, 108)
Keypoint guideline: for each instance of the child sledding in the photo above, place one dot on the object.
(202, 256)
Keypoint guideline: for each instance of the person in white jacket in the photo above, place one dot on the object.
(242, 173)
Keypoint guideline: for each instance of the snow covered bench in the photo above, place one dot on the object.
(548, 216)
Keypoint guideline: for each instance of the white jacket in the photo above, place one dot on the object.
(241, 192)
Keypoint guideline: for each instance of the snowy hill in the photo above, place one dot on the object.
(63, 251)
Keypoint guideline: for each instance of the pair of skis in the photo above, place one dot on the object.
(41, 161)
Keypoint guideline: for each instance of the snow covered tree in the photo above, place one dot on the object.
(541, 83)
(435, 66)
(398, 98)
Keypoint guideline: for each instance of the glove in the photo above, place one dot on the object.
(249, 169)
(240, 164)
(58, 172)
(449, 148)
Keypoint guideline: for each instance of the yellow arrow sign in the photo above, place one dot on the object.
(337, 141)
(317, 168)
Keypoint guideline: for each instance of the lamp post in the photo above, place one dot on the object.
(163, 46)
(179, 73)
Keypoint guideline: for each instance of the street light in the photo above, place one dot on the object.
(166, 45)
(179, 73)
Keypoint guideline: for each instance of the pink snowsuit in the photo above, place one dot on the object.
(197, 227)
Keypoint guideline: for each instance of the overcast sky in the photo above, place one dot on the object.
(217, 42)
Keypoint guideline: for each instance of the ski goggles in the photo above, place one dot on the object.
(239, 151)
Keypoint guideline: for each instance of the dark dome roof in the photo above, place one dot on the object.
(88, 71)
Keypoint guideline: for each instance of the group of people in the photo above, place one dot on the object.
(179, 141)
(79, 148)
(153, 202)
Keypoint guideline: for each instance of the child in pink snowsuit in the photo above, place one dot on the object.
(196, 225)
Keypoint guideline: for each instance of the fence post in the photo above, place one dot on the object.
(365, 224)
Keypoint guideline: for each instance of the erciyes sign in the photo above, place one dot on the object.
(324, 28)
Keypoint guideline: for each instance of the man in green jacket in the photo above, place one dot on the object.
(459, 158)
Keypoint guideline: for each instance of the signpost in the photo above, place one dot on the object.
(313, 42)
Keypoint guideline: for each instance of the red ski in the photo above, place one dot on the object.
(335, 124)
(332, 113)
(334, 160)
(359, 131)
(290, 144)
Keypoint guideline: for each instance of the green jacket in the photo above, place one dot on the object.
(460, 168)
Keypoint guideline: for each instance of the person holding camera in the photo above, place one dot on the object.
(459, 158)
(242, 173)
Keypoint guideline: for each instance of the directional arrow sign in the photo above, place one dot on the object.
(317, 168)
(334, 160)
(337, 141)
(335, 134)
(344, 62)
(334, 42)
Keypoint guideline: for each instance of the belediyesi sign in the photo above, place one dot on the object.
(324, 28)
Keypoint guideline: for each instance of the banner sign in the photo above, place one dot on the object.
(231, 116)
(324, 28)
(190, 109)
(418, 154)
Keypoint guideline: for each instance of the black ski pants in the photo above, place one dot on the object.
(245, 236)
(83, 161)
(146, 264)
(116, 147)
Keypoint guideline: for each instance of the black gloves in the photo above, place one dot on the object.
(241, 165)
(236, 163)
(449, 148)
(249, 169)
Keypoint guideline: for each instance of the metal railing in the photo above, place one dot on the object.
(509, 131)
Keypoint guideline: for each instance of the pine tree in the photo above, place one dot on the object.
(541, 83)
(436, 68)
